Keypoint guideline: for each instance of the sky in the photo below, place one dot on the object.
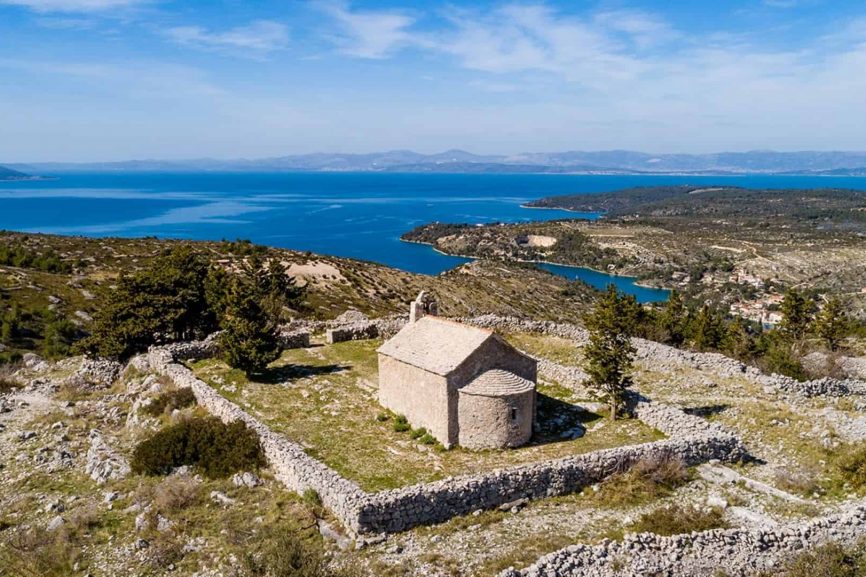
(91, 80)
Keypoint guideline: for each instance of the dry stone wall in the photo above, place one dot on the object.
(733, 552)
(404, 508)
(662, 356)
(290, 464)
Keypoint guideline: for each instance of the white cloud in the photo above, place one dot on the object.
(525, 38)
(259, 37)
(370, 34)
(72, 5)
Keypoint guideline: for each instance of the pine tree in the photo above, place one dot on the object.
(707, 329)
(674, 319)
(797, 311)
(737, 342)
(249, 338)
(609, 352)
(831, 324)
(165, 302)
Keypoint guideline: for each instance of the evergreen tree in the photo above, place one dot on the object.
(674, 319)
(779, 357)
(59, 334)
(797, 311)
(737, 341)
(163, 303)
(707, 329)
(831, 324)
(249, 338)
(609, 351)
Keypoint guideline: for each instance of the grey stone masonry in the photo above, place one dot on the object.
(352, 332)
(732, 552)
(662, 356)
(290, 464)
(693, 441)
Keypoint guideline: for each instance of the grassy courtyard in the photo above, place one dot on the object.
(324, 398)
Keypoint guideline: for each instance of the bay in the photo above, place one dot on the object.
(357, 215)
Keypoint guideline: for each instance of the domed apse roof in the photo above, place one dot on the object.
(498, 383)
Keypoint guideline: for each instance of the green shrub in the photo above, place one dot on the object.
(283, 553)
(312, 499)
(168, 401)
(8, 384)
(418, 433)
(678, 519)
(852, 466)
(382, 417)
(206, 443)
(428, 439)
(830, 560)
(649, 479)
(401, 424)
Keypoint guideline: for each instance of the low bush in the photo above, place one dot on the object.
(283, 553)
(206, 443)
(401, 424)
(418, 433)
(852, 466)
(678, 519)
(176, 493)
(428, 439)
(8, 383)
(170, 400)
(801, 482)
(648, 479)
(830, 560)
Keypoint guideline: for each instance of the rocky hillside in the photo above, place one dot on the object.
(50, 280)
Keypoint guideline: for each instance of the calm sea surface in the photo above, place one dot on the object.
(357, 215)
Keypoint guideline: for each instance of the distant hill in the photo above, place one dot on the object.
(576, 162)
(9, 174)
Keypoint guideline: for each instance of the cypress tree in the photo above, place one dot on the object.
(249, 340)
(609, 352)
(707, 329)
(797, 311)
(674, 319)
(831, 323)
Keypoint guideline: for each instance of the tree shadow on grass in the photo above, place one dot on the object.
(275, 375)
(560, 421)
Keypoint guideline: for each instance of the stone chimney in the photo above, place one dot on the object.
(422, 306)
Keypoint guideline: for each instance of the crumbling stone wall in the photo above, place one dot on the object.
(290, 464)
(407, 507)
(735, 552)
(666, 357)
(401, 509)
(352, 332)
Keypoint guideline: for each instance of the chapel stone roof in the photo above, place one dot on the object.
(497, 383)
(435, 344)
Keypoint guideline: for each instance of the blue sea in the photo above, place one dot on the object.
(358, 215)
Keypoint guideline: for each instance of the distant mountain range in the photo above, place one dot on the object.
(603, 162)
(9, 174)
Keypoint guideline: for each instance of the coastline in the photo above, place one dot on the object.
(595, 270)
(599, 215)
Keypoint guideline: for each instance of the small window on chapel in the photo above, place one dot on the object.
(513, 413)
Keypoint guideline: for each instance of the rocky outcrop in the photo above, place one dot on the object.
(734, 552)
(103, 462)
(95, 373)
